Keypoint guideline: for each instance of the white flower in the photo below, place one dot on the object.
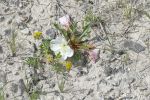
(59, 45)
(65, 21)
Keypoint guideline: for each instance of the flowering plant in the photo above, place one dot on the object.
(60, 45)
(77, 40)
(69, 47)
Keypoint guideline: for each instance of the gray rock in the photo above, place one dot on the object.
(10, 61)
(108, 71)
(57, 93)
(50, 33)
(22, 86)
(9, 21)
(2, 77)
(6, 9)
(110, 98)
(25, 31)
(131, 80)
(90, 91)
(8, 32)
(61, 97)
(2, 18)
(134, 46)
(14, 87)
(1, 49)
(82, 72)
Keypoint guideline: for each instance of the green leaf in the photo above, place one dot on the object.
(73, 27)
(76, 57)
(1, 94)
(34, 96)
(61, 30)
(59, 68)
(86, 30)
(45, 47)
(58, 56)
(34, 62)
(61, 85)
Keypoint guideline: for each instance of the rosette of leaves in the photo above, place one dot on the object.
(77, 40)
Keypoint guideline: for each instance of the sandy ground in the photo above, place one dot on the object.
(120, 73)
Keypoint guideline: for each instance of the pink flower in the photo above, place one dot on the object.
(65, 21)
(93, 55)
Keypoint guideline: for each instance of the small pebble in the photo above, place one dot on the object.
(25, 31)
(2, 18)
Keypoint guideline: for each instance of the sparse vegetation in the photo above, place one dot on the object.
(93, 19)
(12, 44)
(72, 42)
(74, 49)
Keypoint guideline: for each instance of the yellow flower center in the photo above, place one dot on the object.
(37, 35)
(68, 65)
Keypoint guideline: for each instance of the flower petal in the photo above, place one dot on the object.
(58, 40)
(63, 57)
(65, 20)
(56, 43)
(94, 54)
(60, 45)
(69, 51)
(55, 47)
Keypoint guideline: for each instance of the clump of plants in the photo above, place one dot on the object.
(93, 19)
(70, 46)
